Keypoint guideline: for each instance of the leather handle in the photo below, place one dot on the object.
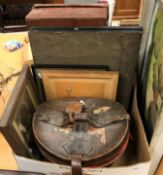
(76, 165)
(73, 109)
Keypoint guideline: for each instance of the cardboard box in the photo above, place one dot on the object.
(94, 49)
(135, 160)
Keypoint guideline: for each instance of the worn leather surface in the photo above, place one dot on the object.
(94, 137)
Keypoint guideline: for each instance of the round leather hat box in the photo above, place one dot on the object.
(95, 130)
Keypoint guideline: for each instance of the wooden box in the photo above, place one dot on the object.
(51, 15)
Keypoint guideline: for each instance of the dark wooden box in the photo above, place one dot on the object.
(50, 15)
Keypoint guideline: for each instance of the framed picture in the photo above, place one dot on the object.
(58, 83)
(16, 121)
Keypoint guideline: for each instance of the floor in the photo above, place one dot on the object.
(10, 65)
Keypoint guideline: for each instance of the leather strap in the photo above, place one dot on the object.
(76, 165)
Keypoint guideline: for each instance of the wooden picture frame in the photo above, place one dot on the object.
(16, 121)
(79, 83)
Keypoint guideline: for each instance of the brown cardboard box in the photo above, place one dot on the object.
(135, 160)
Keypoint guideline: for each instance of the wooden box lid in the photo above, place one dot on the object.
(63, 15)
